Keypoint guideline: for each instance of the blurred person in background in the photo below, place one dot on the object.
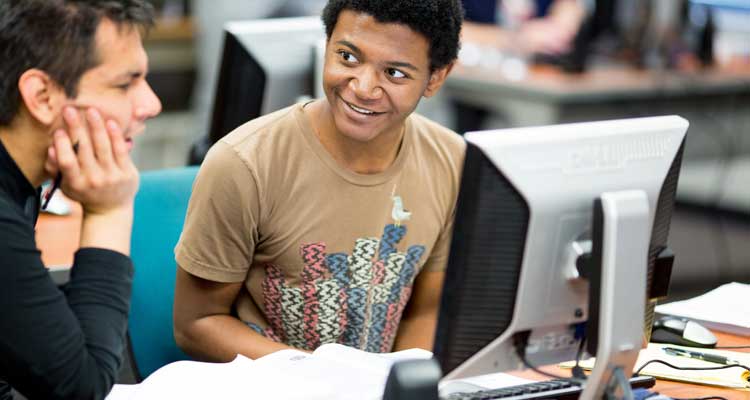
(531, 26)
(519, 27)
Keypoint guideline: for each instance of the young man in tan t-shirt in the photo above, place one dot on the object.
(330, 221)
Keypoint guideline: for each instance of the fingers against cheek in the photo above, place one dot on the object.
(119, 147)
(66, 158)
(50, 165)
(79, 133)
(73, 122)
(100, 138)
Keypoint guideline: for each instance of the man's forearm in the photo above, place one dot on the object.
(219, 338)
(416, 332)
(108, 231)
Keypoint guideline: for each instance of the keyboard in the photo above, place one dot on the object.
(552, 389)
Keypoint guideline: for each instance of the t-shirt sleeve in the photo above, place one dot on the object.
(220, 231)
(438, 260)
(452, 159)
(451, 151)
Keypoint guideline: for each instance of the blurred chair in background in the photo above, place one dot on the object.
(160, 208)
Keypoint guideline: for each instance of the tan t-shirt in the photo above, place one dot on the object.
(325, 254)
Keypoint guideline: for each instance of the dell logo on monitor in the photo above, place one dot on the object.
(615, 155)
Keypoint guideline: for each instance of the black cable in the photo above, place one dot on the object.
(577, 370)
(732, 347)
(637, 372)
(520, 340)
(528, 365)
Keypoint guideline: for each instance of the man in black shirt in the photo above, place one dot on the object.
(72, 71)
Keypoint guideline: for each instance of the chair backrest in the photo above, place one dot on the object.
(160, 207)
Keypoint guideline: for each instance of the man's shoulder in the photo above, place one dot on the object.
(435, 137)
(10, 212)
(260, 140)
(12, 222)
(266, 127)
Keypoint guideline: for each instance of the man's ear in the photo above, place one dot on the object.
(437, 78)
(41, 95)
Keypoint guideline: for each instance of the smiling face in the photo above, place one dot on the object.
(374, 76)
(117, 86)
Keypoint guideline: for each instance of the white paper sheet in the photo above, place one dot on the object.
(333, 372)
(724, 309)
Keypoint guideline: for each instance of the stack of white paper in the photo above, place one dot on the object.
(239, 379)
(723, 309)
(332, 372)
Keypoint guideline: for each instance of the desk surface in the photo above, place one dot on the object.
(670, 388)
(610, 83)
(58, 236)
(684, 390)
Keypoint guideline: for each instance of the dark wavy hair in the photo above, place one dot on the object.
(438, 20)
(58, 37)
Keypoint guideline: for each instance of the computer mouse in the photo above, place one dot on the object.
(682, 332)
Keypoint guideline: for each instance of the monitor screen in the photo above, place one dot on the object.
(266, 65)
(521, 263)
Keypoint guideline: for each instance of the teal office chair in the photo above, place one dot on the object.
(160, 207)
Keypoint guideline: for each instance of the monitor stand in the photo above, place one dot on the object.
(413, 379)
(623, 237)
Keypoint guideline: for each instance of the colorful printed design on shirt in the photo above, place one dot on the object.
(354, 299)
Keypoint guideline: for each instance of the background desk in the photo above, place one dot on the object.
(58, 237)
(547, 95)
(715, 101)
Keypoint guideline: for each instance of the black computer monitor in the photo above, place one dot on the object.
(557, 234)
(266, 65)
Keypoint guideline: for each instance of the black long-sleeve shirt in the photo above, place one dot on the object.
(55, 343)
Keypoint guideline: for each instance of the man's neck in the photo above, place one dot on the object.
(370, 157)
(27, 148)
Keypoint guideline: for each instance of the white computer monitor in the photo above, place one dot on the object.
(266, 65)
(285, 48)
(560, 234)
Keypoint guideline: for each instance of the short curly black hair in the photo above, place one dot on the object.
(438, 20)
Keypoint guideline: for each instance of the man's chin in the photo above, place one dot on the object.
(360, 135)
